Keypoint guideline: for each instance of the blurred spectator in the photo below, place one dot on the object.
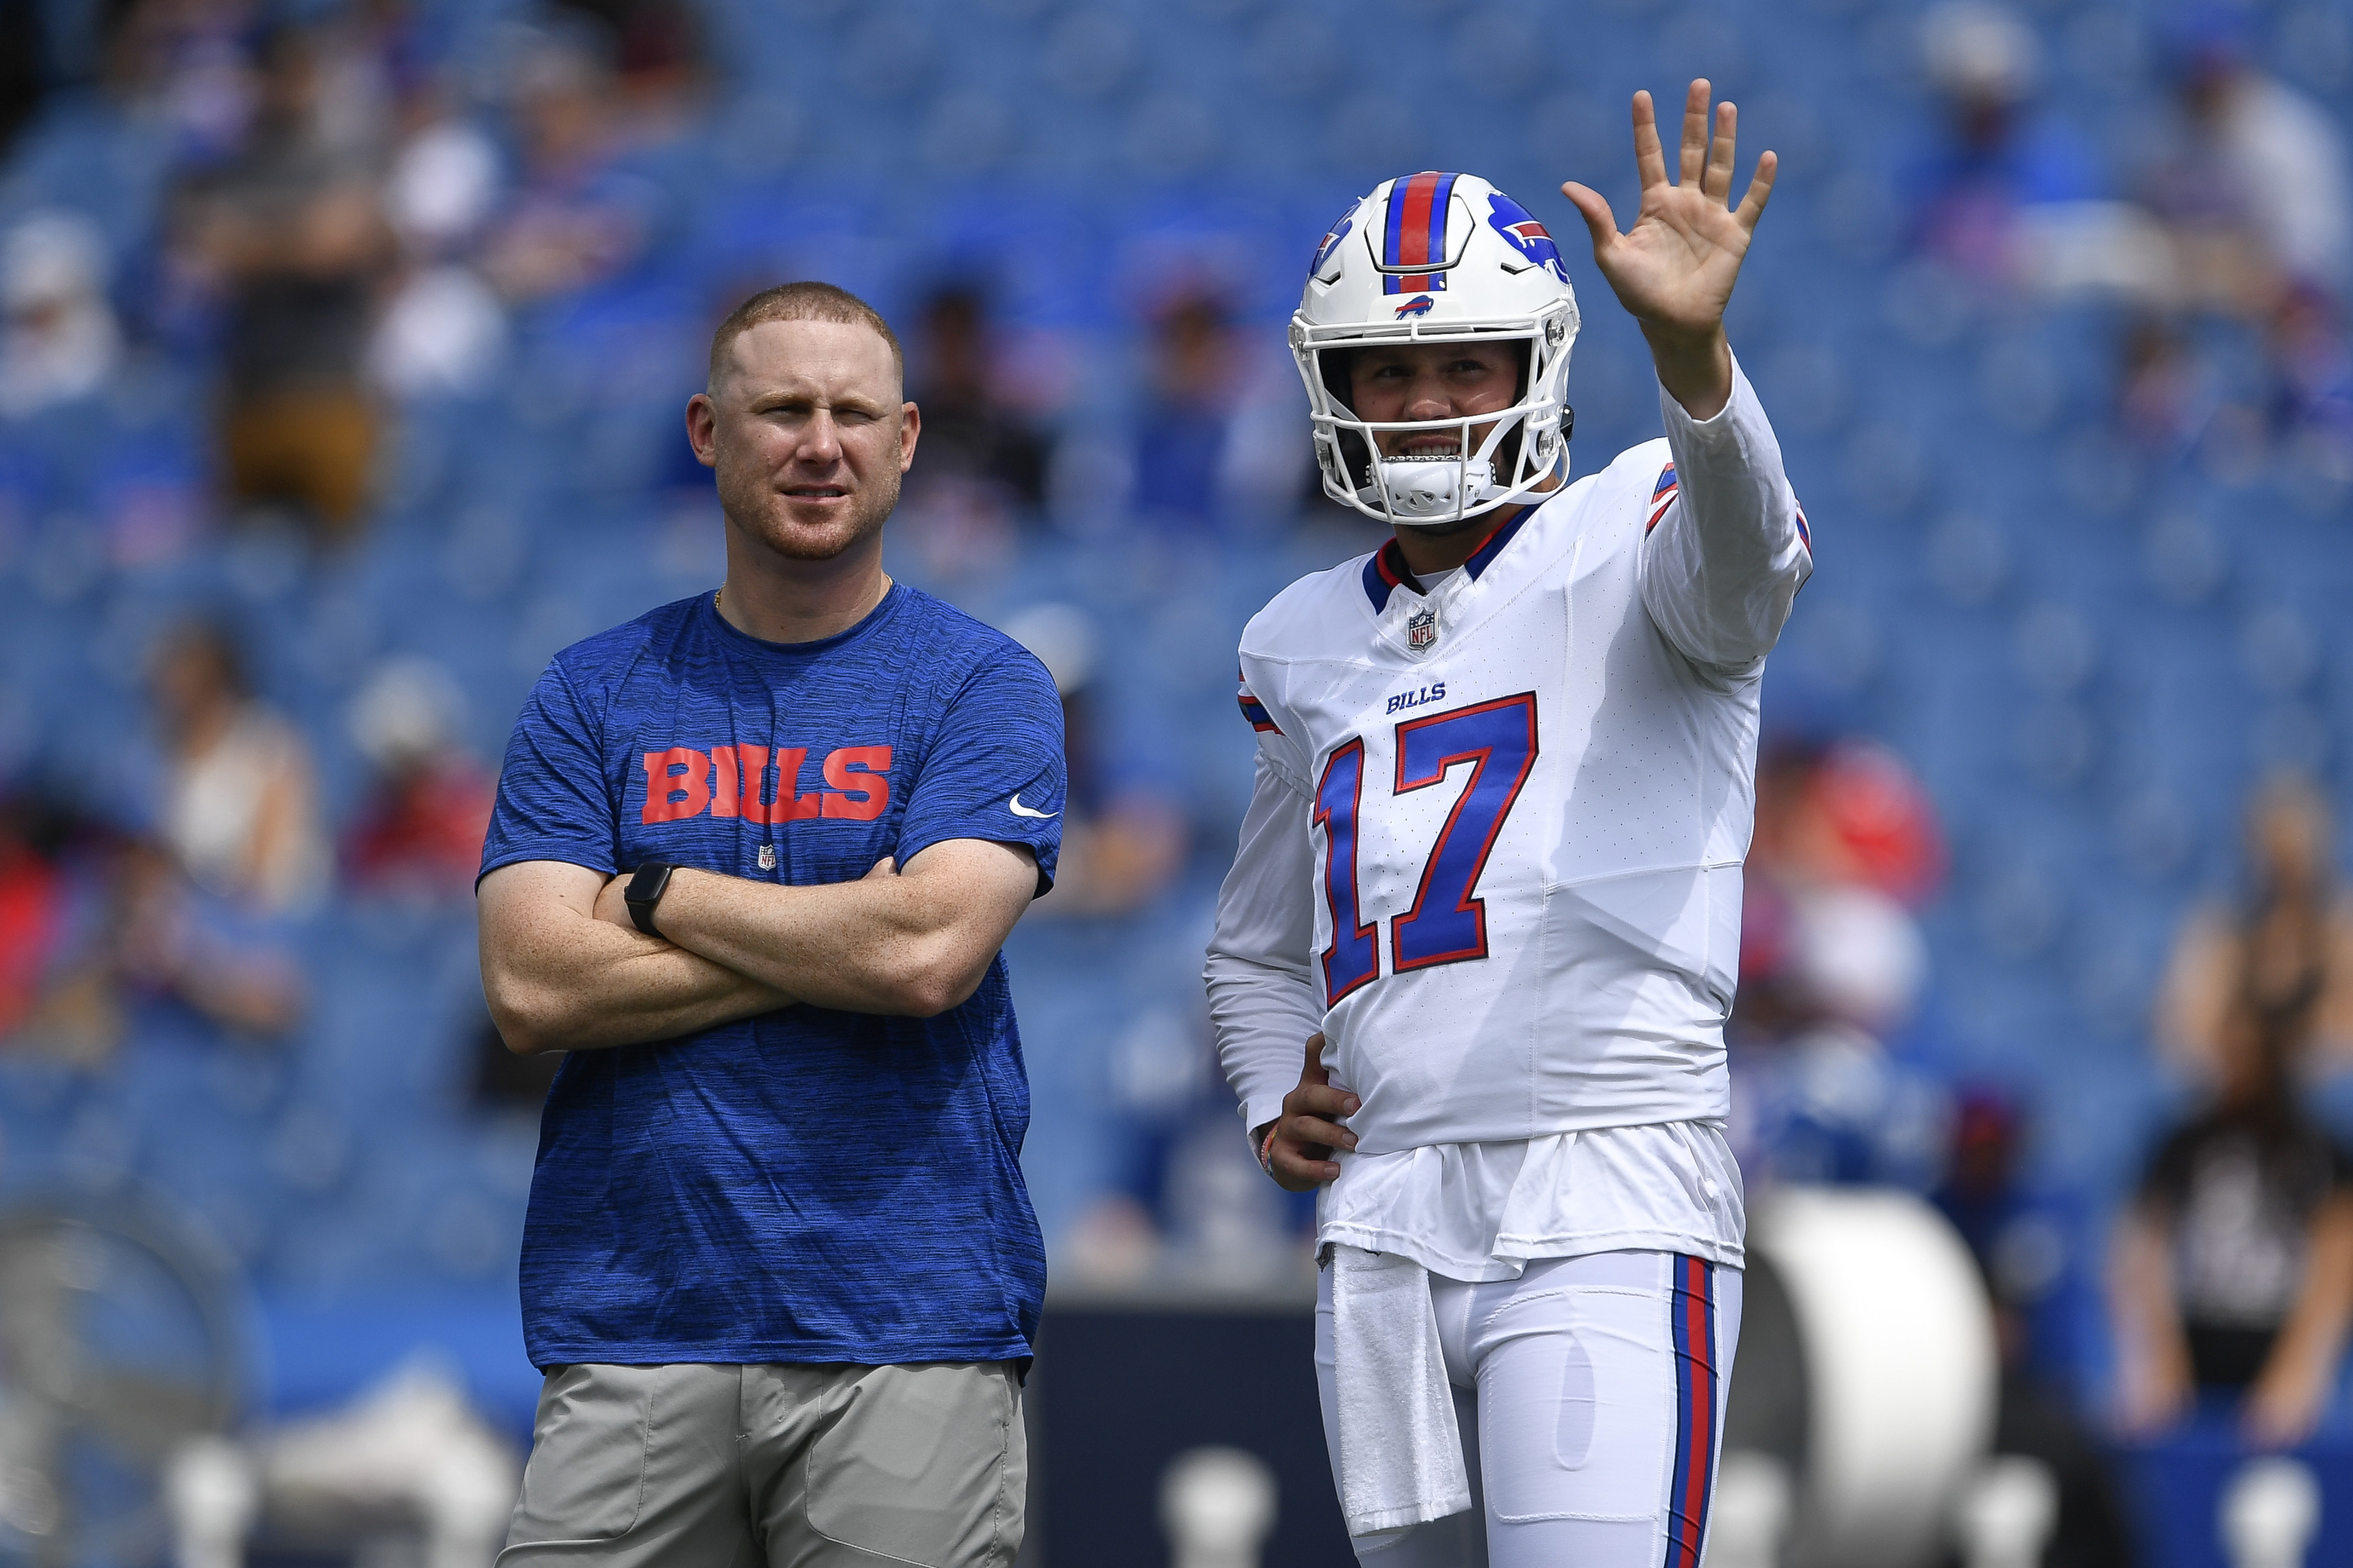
(116, 930)
(1216, 438)
(2018, 1238)
(2233, 1267)
(2292, 932)
(23, 80)
(1122, 842)
(240, 810)
(982, 467)
(2257, 194)
(184, 65)
(33, 900)
(972, 430)
(174, 943)
(1999, 154)
(2164, 395)
(290, 233)
(578, 218)
(1195, 374)
(444, 329)
(1845, 840)
(1831, 962)
(657, 51)
(2312, 373)
(418, 834)
(60, 342)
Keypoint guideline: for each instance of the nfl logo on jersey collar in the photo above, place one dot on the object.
(1417, 612)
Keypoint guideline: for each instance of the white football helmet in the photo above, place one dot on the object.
(1437, 258)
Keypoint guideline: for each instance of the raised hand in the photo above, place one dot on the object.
(1673, 271)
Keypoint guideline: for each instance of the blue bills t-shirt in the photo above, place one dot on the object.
(807, 1185)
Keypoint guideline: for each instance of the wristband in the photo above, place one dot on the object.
(1266, 1147)
(645, 891)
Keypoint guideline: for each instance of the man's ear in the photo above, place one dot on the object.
(911, 426)
(702, 428)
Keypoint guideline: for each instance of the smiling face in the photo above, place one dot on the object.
(808, 431)
(1406, 381)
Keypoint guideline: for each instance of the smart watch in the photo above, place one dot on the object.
(645, 891)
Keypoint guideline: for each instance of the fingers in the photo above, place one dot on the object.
(1694, 147)
(1298, 1171)
(1319, 1099)
(1716, 180)
(1650, 159)
(1304, 1132)
(1315, 1072)
(1600, 221)
(1760, 191)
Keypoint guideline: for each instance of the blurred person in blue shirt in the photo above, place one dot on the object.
(107, 940)
(580, 215)
(2000, 154)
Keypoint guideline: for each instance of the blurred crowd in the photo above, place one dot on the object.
(2227, 225)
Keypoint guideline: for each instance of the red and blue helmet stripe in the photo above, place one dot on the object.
(1415, 233)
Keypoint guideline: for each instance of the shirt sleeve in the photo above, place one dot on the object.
(996, 769)
(1727, 547)
(1262, 999)
(553, 803)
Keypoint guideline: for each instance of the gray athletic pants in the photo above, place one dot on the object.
(786, 1466)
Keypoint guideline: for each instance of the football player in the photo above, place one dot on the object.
(1490, 869)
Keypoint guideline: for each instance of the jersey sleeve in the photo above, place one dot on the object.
(554, 801)
(1262, 999)
(996, 769)
(1726, 546)
(1276, 746)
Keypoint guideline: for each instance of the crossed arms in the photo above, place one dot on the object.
(563, 969)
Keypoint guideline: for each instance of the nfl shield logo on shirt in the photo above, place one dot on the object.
(1421, 629)
(767, 857)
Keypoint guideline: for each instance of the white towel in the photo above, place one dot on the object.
(1400, 1451)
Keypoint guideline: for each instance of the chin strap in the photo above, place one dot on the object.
(1433, 490)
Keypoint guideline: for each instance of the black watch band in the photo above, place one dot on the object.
(645, 891)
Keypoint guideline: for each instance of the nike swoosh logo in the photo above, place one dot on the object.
(1021, 810)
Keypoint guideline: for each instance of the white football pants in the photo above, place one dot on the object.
(1590, 1396)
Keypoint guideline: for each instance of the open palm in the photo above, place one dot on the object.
(1675, 270)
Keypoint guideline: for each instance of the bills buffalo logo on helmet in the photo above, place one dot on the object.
(1525, 235)
(1331, 242)
(1417, 306)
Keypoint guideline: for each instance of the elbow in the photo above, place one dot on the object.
(526, 1020)
(928, 996)
(939, 983)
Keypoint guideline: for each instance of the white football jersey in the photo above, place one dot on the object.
(1494, 850)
